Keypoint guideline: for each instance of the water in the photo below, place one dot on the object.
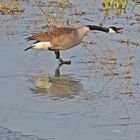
(93, 98)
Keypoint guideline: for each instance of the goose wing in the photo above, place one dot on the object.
(51, 35)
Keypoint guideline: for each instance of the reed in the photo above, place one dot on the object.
(53, 19)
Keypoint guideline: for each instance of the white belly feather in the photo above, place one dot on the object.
(41, 46)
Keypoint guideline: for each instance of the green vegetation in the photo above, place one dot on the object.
(116, 4)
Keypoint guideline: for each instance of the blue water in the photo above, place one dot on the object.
(93, 98)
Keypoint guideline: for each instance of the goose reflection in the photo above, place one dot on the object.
(57, 87)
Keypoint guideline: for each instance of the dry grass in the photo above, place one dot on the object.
(10, 7)
(53, 19)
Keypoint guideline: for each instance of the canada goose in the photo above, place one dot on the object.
(64, 38)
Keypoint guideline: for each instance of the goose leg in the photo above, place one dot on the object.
(60, 61)
(57, 53)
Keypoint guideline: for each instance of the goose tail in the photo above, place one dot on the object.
(29, 38)
(28, 48)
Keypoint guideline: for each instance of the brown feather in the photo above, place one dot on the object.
(61, 38)
(51, 34)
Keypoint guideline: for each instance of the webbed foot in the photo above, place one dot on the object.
(61, 62)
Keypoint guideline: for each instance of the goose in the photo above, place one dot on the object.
(63, 38)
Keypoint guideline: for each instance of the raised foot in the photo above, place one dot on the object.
(61, 62)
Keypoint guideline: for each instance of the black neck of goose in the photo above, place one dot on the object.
(99, 28)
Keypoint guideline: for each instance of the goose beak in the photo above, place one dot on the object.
(119, 30)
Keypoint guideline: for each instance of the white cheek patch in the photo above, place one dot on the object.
(42, 45)
(111, 31)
